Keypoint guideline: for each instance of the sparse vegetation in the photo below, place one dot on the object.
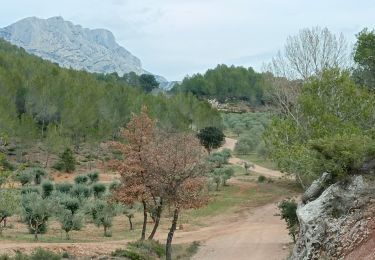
(139, 162)
(288, 210)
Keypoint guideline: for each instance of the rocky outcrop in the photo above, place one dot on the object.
(316, 188)
(336, 222)
(70, 45)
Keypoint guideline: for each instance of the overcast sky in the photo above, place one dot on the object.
(174, 38)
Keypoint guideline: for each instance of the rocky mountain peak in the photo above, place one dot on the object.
(71, 45)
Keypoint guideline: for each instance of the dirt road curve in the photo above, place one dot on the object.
(259, 236)
(230, 143)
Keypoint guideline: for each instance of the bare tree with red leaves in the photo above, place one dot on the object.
(136, 184)
(160, 168)
(179, 162)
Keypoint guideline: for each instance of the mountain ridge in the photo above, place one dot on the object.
(73, 46)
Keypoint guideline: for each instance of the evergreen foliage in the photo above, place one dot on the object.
(41, 102)
(226, 83)
(211, 138)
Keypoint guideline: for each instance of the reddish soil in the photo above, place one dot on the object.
(367, 250)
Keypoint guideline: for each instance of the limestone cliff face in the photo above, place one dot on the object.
(72, 46)
(338, 222)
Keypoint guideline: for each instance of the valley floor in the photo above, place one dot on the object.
(251, 231)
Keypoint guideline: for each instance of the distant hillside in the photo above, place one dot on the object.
(226, 84)
(41, 101)
(72, 46)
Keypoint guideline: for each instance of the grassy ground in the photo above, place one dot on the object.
(244, 191)
(257, 159)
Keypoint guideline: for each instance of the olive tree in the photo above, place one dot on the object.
(69, 213)
(36, 212)
(102, 213)
(9, 205)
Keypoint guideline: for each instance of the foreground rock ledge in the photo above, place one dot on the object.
(337, 222)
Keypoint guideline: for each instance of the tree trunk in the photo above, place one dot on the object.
(105, 231)
(1, 228)
(217, 186)
(168, 246)
(130, 223)
(36, 234)
(143, 235)
(67, 235)
(159, 209)
(47, 159)
(153, 217)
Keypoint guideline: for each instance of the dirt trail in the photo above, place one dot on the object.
(230, 143)
(255, 235)
(259, 235)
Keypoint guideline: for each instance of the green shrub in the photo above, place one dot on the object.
(142, 250)
(65, 255)
(81, 190)
(67, 161)
(47, 188)
(38, 254)
(58, 166)
(193, 248)
(26, 190)
(114, 185)
(128, 254)
(98, 189)
(102, 213)
(150, 247)
(261, 179)
(288, 212)
(64, 187)
(25, 177)
(70, 203)
(5, 164)
(41, 254)
(36, 210)
(81, 179)
(219, 158)
(93, 176)
(38, 173)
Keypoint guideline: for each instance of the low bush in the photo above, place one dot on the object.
(150, 246)
(64, 187)
(142, 250)
(128, 254)
(47, 188)
(288, 212)
(93, 176)
(114, 185)
(67, 161)
(193, 248)
(81, 179)
(261, 179)
(38, 254)
(99, 189)
(81, 191)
